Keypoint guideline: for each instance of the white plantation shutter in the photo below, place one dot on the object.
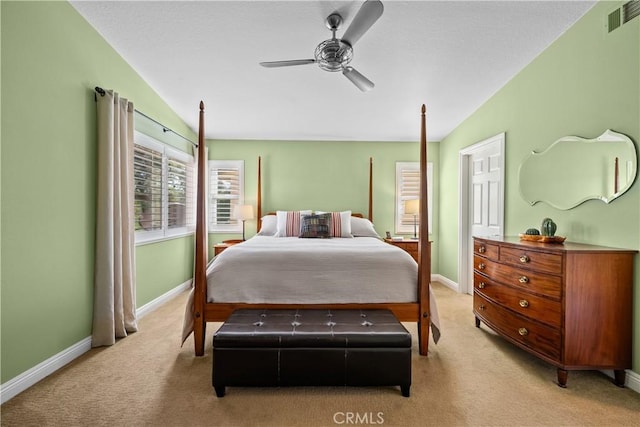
(180, 197)
(226, 190)
(164, 190)
(147, 172)
(408, 188)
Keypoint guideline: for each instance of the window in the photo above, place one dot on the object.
(164, 186)
(226, 190)
(408, 188)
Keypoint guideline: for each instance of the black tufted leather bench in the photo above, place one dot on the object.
(311, 348)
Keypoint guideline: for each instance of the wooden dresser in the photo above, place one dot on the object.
(568, 304)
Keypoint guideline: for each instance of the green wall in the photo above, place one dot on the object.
(584, 83)
(51, 61)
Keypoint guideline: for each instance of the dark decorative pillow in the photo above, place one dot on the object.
(316, 226)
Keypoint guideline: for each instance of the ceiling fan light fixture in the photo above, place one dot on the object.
(361, 82)
(333, 55)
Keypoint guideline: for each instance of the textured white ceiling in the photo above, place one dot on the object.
(450, 55)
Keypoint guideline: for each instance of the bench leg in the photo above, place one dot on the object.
(405, 390)
(220, 390)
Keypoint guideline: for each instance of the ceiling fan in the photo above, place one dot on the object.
(335, 54)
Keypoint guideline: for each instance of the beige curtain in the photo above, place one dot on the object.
(114, 301)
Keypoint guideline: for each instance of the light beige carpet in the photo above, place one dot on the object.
(471, 378)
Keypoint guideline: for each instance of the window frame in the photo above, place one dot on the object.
(399, 197)
(167, 152)
(234, 226)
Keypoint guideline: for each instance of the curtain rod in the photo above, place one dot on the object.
(164, 128)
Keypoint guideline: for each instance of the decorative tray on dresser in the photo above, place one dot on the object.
(569, 304)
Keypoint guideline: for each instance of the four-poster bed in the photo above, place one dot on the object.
(206, 309)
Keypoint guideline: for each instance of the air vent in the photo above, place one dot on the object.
(614, 20)
(631, 10)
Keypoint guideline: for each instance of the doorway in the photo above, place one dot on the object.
(481, 204)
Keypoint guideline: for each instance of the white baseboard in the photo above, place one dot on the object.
(445, 281)
(42, 370)
(158, 302)
(633, 380)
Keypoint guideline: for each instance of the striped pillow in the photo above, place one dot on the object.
(289, 223)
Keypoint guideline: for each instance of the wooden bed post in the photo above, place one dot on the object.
(200, 273)
(424, 246)
(371, 189)
(259, 198)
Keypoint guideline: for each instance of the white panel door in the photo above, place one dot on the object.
(486, 178)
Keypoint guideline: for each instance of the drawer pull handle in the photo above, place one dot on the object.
(524, 303)
(482, 307)
(523, 279)
(524, 259)
(481, 285)
(481, 266)
(482, 249)
(523, 332)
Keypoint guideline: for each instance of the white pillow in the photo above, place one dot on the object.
(362, 227)
(289, 223)
(269, 226)
(343, 228)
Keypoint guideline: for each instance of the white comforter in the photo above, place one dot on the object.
(293, 270)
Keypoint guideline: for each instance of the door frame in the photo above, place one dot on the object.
(465, 249)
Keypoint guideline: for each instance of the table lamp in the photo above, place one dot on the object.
(243, 213)
(412, 207)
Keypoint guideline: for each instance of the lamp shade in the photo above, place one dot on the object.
(243, 212)
(412, 207)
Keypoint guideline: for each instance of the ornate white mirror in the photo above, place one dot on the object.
(573, 170)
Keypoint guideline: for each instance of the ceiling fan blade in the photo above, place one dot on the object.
(363, 83)
(273, 64)
(368, 14)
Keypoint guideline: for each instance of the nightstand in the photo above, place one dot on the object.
(219, 247)
(410, 246)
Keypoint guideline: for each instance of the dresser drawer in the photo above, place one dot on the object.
(485, 249)
(530, 281)
(539, 338)
(539, 261)
(538, 308)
